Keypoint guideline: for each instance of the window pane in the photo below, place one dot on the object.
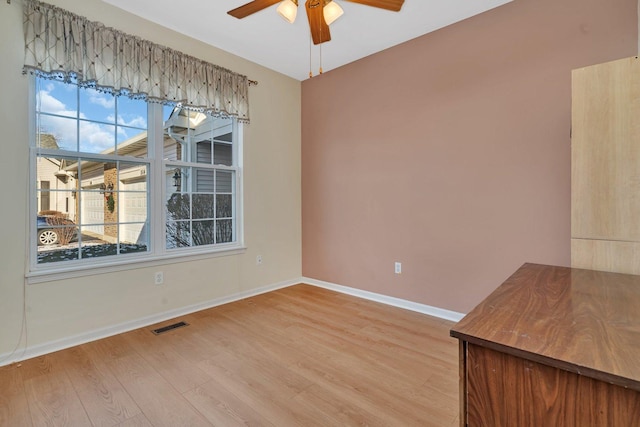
(141, 246)
(94, 248)
(203, 152)
(91, 207)
(57, 133)
(131, 142)
(203, 233)
(203, 180)
(178, 207)
(172, 148)
(224, 231)
(178, 234)
(47, 255)
(57, 98)
(57, 202)
(176, 179)
(203, 206)
(223, 154)
(134, 175)
(56, 236)
(167, 110)
(55, 228)
(131, 112)
(224, 181)
(97, 138)
(224, 208)
(97, 106)
(132, 200)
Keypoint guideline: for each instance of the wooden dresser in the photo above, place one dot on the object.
(553, 346)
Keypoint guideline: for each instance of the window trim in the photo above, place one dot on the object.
(157, 254)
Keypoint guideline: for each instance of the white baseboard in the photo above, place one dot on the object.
(61, 344)
(384, 299)
(67, 342)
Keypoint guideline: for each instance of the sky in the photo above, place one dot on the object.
(97, 120)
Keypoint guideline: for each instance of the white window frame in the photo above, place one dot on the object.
(157, 254)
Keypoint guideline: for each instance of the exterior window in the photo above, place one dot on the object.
(96, 158)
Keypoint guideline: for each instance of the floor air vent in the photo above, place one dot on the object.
(169, 328)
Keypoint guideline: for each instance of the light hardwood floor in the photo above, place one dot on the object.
(299, 356)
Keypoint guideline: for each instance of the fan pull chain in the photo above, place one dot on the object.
(310, 73)
(321, 48)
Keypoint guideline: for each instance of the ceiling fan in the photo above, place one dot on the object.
(321, 13)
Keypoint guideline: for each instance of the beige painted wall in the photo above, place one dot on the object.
(451, 152)
(58, 310)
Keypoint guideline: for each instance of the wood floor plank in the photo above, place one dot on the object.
(103, 397)
(38, 366)
(53, 401)
(14, 407)
(355, 348)
(138, 421)
(269, 397)
(165, 358)
(222, 408)
(301, 355)
(109, 349)
(161, 404)
(357, 392)
(341, 412)
(248, 335)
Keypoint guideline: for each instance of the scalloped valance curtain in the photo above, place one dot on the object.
(62, 45)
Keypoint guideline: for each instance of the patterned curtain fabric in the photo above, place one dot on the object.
(59, 44)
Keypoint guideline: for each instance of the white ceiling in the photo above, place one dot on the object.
(265, 38)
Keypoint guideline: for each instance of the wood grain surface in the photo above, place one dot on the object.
(297, 356)
(605, 154)
(583, 321)
(505, 390)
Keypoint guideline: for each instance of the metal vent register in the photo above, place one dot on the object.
(169, 328)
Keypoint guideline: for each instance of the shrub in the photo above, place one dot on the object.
(65, 228)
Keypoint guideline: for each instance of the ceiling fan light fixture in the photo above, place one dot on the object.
(331, 12)
(288, 10)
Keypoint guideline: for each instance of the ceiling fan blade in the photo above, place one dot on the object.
(251, 8)
(319, 29)
(394, 5)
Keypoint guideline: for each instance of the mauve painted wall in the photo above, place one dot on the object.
(451, 152)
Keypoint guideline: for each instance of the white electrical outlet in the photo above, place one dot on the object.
(259, 260)
(398, 268)
(158, 278)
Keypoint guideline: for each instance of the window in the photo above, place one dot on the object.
(200, 206)
(115, 178)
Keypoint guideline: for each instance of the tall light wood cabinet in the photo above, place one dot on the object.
(605, 167)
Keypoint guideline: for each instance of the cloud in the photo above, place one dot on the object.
(53, 105)
(96, 138)
(101, 99)
(136, 121)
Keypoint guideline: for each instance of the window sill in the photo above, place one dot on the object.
(52, 275)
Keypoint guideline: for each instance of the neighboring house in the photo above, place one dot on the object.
(56, 185)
